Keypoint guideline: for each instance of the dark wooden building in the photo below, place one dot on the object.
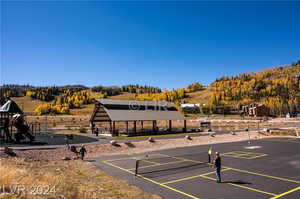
(255, 110)
(131, 112)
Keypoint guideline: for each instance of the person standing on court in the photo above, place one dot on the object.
(82, 152)
(218, 166)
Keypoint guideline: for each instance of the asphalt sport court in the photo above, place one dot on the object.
(263, 169)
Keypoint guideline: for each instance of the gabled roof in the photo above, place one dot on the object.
(134, 102)
(11, 107)
(133, 110)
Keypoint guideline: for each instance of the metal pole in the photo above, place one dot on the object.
(248, 134)
(136, 167)
(46, 124)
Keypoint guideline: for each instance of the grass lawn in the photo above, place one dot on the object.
(74, 179)
(27, 104)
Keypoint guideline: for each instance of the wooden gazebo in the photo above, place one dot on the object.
(110, 111)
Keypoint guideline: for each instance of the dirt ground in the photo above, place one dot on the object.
(29, 179)
(133, 147)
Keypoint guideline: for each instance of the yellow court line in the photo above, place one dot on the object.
(286, 193)
(238, 152)
(244, 187)
(191, 177)
(155, 163)
(127, 158)
(250, 157)
(204, 174)
(264, 175)
(247, 156)
(233, 153)
(237, 156)
(247, 153)
(252, 153)
(165, 186)
(241, 152)
(159, 164)
(230, 155)
(259, 156)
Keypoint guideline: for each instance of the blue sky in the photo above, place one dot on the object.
(166, 44)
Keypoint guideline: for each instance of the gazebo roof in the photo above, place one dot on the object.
(133, 110)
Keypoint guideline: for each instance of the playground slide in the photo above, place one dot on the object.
(23, 131)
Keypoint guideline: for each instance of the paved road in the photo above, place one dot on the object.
(267, 168)
(52, 141)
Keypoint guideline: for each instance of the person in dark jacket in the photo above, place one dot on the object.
(218, 166)
(82, 152)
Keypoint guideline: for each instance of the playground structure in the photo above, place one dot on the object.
(11, 119)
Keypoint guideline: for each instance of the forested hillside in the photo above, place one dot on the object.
(61, 99)
(278, 88)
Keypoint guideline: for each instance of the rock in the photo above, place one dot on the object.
(150, 139)
(113, 142)
(8, 150)
(233, 133)
(271, 131)
(75, 157)
(188, 137)
(66, 158)
(129, 144)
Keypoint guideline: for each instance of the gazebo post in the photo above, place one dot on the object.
(110, 127)
(114, 127)
(92, 126)
(154, 126)
(170, 125)
(184, 124)
(142, 124)
(134, 126)
(127, 131)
